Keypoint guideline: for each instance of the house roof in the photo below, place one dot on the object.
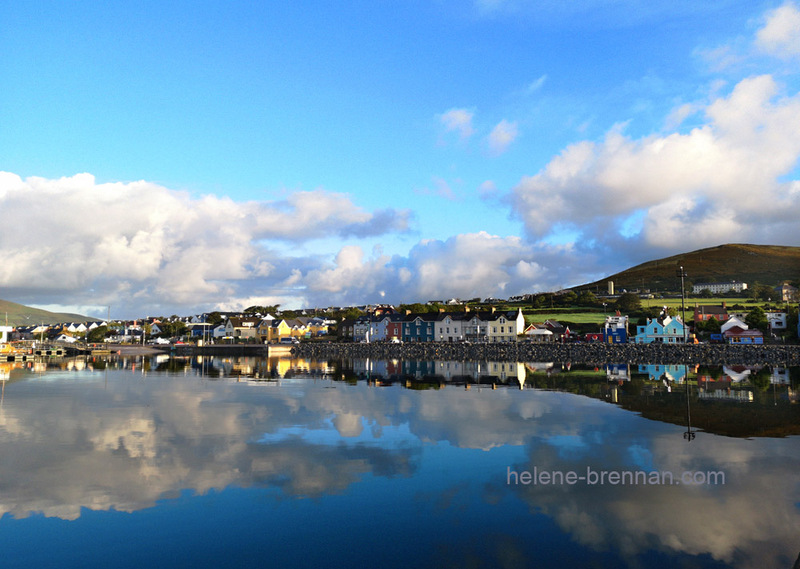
(736, 331)
(706, 309)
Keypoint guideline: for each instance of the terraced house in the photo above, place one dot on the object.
(484, 326)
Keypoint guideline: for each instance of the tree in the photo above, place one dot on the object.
(628, 302)
(567, 299)
(214, 318)
(760, 292)
(587, 298)
(270, 309)
(97, 335)
(792, 317)
(756, 318)
(706, 293)
(712, 326)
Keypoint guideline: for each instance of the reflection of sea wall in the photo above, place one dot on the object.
(595, 353)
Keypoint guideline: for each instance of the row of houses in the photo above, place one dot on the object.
(481, 326)
(266, 329)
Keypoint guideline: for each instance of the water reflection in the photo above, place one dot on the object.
(124, 433)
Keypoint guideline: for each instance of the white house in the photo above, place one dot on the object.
(777, 320)
(730, 323)
(449, 328)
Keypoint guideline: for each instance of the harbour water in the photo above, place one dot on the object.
(179, 462)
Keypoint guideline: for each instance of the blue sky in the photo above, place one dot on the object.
(191, 156)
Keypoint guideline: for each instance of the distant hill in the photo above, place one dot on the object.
(21, 315)
(765, 264)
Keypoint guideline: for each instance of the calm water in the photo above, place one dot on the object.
(287, 463)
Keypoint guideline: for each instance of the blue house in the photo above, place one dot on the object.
(419, 327)
(615, 330)
(657, 372)
(664, 329)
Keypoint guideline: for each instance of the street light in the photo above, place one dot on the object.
(682, 274)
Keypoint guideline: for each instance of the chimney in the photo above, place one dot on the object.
(441, 311)
(408, 312)
(466, 308)
(492, 309)
(724, 305)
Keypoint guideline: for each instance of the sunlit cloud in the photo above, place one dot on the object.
(459, 121)
(501, 137)
(721, 182)
(780, 35)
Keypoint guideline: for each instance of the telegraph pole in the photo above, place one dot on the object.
(682, 274)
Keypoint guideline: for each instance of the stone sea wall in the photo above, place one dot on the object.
(593, 353)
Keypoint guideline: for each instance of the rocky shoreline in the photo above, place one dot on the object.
(594, 353)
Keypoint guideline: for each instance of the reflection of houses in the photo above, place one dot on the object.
(674, 373)
(736, 373)
(534, 367)
(780, 376)
(442, 370)
(506, 371)
(618, 372)
(735, 395)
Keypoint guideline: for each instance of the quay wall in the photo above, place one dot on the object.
(591, 353)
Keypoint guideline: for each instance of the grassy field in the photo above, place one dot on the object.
(21, 315)
(576, 317)
(595, 316)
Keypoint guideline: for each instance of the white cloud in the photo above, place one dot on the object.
(721, 182)
(141, 245)
(458, 120)
(501, 137)
(537, 84)
(780, 35)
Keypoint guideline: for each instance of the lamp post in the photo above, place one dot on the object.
(682, 274)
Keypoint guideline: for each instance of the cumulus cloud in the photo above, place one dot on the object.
(780, 35)
(721, 182)
(501, 137)
(459, 121)
(143, 244)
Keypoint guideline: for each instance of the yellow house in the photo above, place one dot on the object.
(273, 330)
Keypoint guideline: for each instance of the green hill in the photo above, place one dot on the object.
(21, 315)
(765, 264)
